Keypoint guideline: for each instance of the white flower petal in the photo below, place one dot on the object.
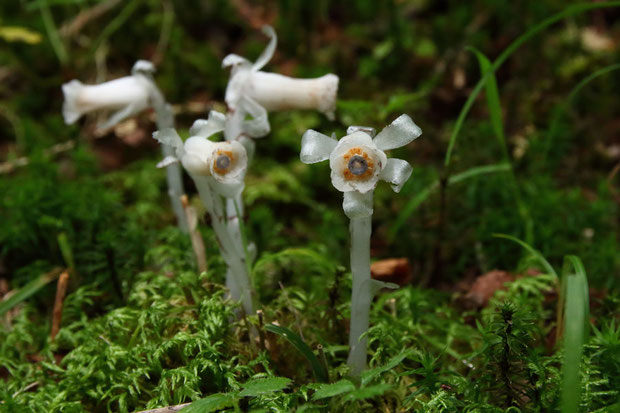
(143, 66)
(167, 161)
(267, 54)
(259, 125)
(238, 164)
(171, 138)
(234, 60)
(376, 286)
(249, 145)
(366, 129)
(357, 205)
(350, 141)
(396, 172)
(399, 133)
(227, 190)
(208, 127)
(71, 110)
(316, 147)
(197, 152)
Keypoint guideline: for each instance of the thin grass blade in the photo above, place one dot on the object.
(28, 290)
(539, 257)
(563, 107)
(320, 374)
(518, 42)
(424, 194)
(576, 313)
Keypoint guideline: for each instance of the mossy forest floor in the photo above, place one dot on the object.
(474, 326)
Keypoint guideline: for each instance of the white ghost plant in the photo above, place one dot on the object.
(128, 96)
(251, 93)
(218, 169)
(250, 87)
(358, 162)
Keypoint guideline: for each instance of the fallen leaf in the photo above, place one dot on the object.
(393, 270)
(485, 286)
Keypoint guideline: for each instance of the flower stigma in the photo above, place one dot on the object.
(359, 165)
(223, 162)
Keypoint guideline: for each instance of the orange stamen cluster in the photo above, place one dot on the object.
(223, 171)
(350, 176)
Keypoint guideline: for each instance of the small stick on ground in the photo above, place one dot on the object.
(197, 242)
(61, 289)
(166, 409)
(323, 359)
(261, 333)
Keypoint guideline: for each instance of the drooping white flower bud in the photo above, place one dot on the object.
(277, 92)
(274, 91)
(127, 95)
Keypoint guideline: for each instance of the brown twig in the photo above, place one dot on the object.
(166, 409)
(195, 236)
(166, 30)
(610, 180)
(10, 166)
(323, 359)
(61, 289)
(261, 333)
(83, 18)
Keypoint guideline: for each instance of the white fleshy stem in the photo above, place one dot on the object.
(231, 250)
(361, 296)
(174, 177)
(232, 131)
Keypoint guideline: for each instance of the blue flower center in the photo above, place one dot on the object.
(222, 162)
(357, 165)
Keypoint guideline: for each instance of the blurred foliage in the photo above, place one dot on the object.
(132, 339)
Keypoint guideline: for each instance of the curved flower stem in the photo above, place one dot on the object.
(361, 296)
(234, 206)
(174, 177)
(231, 251)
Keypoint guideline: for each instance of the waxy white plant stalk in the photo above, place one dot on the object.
(128, 96)
(218, 169)
(357, 163)
(252, 92)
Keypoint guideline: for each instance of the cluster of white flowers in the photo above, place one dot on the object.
(357, 161)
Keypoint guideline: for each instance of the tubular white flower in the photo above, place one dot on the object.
(128, 95)
(274, 91)
(277, 92)
(196, 155)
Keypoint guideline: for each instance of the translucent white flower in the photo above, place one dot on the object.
(249, 86)
(358, 161)
(127, 95)
(224, 162)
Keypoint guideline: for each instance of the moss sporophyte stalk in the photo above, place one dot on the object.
(357, 163)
